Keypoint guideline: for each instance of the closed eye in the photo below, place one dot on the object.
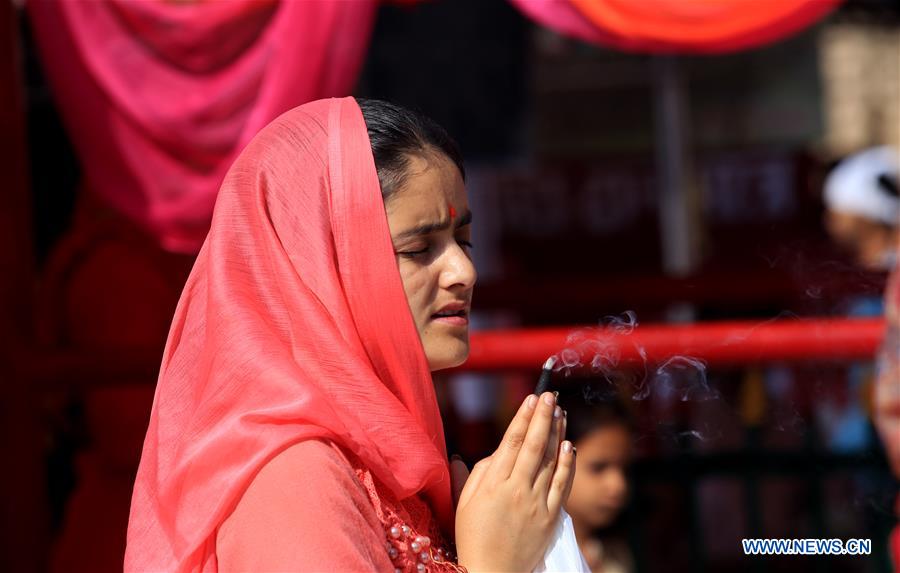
(413, 254)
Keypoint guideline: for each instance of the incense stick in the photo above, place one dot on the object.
(543, 383)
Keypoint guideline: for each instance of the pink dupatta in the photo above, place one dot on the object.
(159, 97)
(293, 325)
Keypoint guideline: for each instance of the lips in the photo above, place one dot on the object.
(456, 313)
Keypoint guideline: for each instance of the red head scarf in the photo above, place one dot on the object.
(293, 325)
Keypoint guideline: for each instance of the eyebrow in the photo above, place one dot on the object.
(429, 228)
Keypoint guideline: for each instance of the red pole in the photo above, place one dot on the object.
(718, 343)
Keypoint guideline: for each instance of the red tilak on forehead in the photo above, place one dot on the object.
(452, 211)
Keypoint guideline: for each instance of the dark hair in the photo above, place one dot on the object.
(888, 184)
(396, 135)
(587, 411)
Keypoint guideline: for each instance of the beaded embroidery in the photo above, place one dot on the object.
(406, 549)
(413, 541)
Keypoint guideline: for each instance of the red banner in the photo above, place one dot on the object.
(669, 26)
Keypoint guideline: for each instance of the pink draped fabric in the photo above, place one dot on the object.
(671, 26)
(159, 97)
(293, 325)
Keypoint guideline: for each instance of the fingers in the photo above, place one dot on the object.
(504, 459)
(537, 438)
(548, 464)
(474, 480)
(563, 477)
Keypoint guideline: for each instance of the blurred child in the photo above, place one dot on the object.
(601, 431)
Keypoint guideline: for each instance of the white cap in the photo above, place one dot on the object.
(853, 186)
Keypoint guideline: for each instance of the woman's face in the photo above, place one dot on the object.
(600, 489)
(429, 219)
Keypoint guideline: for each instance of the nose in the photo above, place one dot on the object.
(458, 270)
(614, 486)
(618, 485)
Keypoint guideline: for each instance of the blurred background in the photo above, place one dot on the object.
(656, 175)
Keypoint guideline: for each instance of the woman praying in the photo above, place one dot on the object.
(295, 425)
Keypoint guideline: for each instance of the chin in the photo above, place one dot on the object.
(447, 356)
(605, 517)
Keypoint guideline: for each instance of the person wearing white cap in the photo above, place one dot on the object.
(862, 216)
(863, 206)
(863, 202)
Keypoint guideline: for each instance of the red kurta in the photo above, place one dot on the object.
(294, 498)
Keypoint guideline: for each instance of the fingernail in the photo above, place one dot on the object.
(565, 414)
(531, 401)
(549, 399)
(557, 412)
(567, 446)
(574, 451)
(455, 457)
(556, 394)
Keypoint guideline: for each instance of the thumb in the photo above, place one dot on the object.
(459, 473)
